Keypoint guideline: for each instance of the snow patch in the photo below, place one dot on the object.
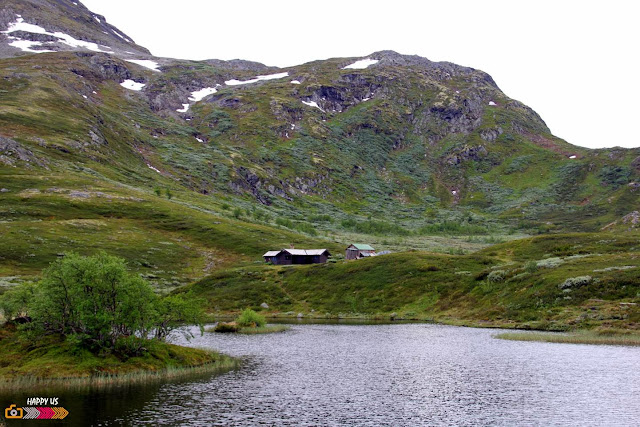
(493, 104)
(313, 104)
(122, 37)
(199, 95)
(573, 157)
(26, 45)
(20, 25)
(199, 140)
(96, 18)
(235, 82)
(85, 96)
(366, 99)
(132, 85)
(361, 64)
(152, 168)
(146, 63)
(295, 82)
(184, 109)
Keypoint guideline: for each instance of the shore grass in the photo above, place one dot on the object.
(102, 381)
(269, 329)
(579, 337)
(52, 363)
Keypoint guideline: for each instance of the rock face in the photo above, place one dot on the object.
(61, 16)
(12, 154)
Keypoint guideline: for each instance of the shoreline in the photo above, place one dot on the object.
(132, 378)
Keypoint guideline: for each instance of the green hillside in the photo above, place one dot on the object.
(212, 163)
(558, 282)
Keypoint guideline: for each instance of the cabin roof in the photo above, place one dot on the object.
(362, 247)
(272, 253)
(297, 252)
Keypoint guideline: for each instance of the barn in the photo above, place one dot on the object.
(359, 250)
(297, 256)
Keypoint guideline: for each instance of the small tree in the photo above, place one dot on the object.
(94, 298)
(96, 303)
(15, 302)
(176, 309)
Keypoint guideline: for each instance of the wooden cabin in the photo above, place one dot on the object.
(359, 250)
(297, 256)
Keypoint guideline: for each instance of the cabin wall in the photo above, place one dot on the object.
(352, 254)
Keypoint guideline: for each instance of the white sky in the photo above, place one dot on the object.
(573, 62)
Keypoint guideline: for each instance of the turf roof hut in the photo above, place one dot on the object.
(297, 256)
(359, 250)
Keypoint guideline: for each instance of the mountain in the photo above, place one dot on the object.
(186, 167)
(31, 26)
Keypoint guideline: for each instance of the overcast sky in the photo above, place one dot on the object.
(574, 62)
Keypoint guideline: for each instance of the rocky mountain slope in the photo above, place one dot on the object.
(93, 128)
(31, 26)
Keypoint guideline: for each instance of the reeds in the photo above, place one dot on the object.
(271, 329)
(582, 337)
(102, 381)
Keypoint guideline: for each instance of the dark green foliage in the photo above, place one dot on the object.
(96, 303)
(615, 176)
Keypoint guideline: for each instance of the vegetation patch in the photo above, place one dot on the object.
(581, 337)
(90, 318)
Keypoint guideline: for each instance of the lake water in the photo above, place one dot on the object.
(384, 375)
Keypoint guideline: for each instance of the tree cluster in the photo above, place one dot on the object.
(96, 303)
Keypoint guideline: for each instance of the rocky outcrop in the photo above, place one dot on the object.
(12, 152)
(629, 221)
(466, 153)
(102, 67)
(490, 135)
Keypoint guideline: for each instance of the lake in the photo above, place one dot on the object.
(382, 375)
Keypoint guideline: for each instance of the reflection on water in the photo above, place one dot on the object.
(412, 374)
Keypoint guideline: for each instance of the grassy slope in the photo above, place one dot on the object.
(171, 241)
(454, 288)
(21, 360)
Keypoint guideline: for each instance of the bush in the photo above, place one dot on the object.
(250, 318)
(497, 276)
(531, 267)
(94, 303)
(576, 282)
(15, 301)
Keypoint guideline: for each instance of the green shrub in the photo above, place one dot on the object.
(615, 176)
(497, 276)
(531, 267)
(94, 302)
(249, 318)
